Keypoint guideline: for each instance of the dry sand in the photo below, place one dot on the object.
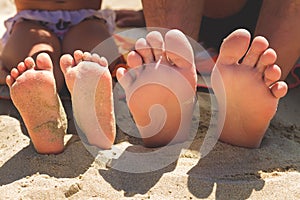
(227, 172)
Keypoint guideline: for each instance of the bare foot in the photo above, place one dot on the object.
(33, 92)
(161, 93)
(252, 88)
(90, 84)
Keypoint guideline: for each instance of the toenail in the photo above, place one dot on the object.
(170, 61)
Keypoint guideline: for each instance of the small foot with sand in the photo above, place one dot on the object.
(246, 82)
(33, 92)
(160, 87)
(90, 84)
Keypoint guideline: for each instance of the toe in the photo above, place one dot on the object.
(44, 62)
(266, 59)
(9, 80)
(178, 49)
(78, 56)
(258, 46)
(134, 60)
(21, 67)
(103, 62)
(100, 60)
(144, 49)
(272, 74)
(29, 62)
(124, 78)
(156, 41)
(95, 58)
(234, 47)
(279, 89)
(127, 77)
(14, 73)
(66, 62)
(87, 56)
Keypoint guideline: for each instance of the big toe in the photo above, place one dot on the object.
(43, 62)
(178, 49)
(234, 47)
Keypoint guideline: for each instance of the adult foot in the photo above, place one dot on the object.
(90, 84)
(33, 92)
(160, 87)
(246, 83)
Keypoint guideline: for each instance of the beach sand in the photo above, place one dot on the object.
(227, 172)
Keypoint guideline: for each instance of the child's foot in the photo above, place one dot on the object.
(251, 90)
(33, 92)
(90, 84)
(160, 88)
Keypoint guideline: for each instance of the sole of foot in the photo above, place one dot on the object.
(160, 87)
(246, 83)
(33, 92)
(90, 84)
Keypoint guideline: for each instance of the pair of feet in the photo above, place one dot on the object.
(159, 95)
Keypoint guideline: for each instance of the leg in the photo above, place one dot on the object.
(130, 18)
(87, 35)
(251, 90)
(90, 84)
(160, 90)
(33, 92)
(222, 9)
(277, 23)
(38, 39)
(185, 16)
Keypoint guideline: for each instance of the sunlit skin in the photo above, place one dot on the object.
(41, 39)
(102, 131)
(35, 77)
(57, 4)
(43, 115)
(247, 116)
(164, 57)
(248, 91)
